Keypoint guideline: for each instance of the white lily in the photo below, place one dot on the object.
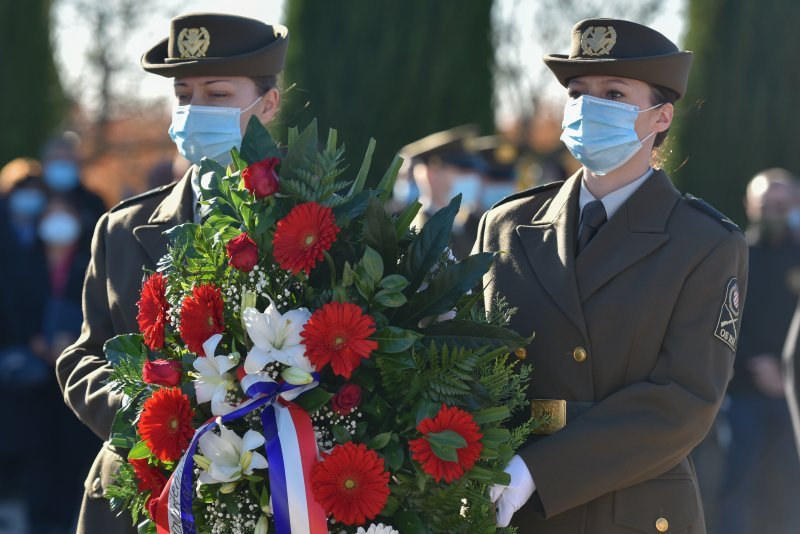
(230, 456)
(213, 381)
(276, 338)
(380, 528)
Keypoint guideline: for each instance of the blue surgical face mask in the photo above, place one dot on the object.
(59, 228)
(207, 131)
(492, 194)
(26, 203)
(61, 175)
(600, 133)
(469, 185)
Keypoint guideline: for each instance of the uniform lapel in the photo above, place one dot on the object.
(176, 208)
(631, 234)
(549, 244)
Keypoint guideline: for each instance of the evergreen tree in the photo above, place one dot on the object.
(395, 71)
(31, 94)
(741, 110)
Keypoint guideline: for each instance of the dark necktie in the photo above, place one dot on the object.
(592, 218)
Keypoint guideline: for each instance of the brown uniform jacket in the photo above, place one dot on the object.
(633, 325)
(126, 239)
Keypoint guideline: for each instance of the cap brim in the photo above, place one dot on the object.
(264, 61)
(670, 70)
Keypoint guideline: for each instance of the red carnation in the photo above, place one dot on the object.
(350, 483)
(162, 372)
(201, 317)
(337, 333)
(455, 420)
(150, 478)
(303, 235)
(346, 399)
(242, 253)
(166, 423)
(261, 179)
(153, 307)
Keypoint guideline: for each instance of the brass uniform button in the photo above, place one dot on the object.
(662, 525)
(521, 353)
(579, 354)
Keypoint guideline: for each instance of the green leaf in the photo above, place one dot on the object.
(332, 138)
(140, 450)
(491, 415)
(313, 399)
(347, 275)
(393, 454)
(447, 438)
(405, 218)
(379, 441)
(427, 409)
(355, 207)
(392, 339)
(341, 434)
(387, 182)
(123, 430)
(429, 244)
(304, 147)
(182, 234)
(396, 282)
(372, 264)
(211, 174)
(361, 179)
(390, 298)
(496, 434)
(125, 346)
(398, 362)
(392, 503)
(445, 289)
(408, 522)
(257, 143)
(448, 454)
(474, 335)
(379, 234)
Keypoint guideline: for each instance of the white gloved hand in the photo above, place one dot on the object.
(509, 499)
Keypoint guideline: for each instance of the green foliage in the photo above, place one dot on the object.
(124, 493)
(358, 69)
(741, 106)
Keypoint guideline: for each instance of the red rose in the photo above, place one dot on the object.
(242, 253)
(162, 372)
(261, 179)
(347, 399)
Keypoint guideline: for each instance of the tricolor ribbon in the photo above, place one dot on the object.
(291, 453)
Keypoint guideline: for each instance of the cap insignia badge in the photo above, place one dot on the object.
(598, 40)
(193, 42)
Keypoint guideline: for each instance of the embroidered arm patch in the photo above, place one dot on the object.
(727, 325)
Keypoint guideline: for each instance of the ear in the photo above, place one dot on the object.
(665, 114)
(267, 108)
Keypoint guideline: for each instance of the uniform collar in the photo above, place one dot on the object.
(615, 199)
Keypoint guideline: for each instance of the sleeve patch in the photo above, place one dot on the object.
(727, 325)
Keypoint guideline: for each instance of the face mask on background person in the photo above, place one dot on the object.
(59, 228)
(61, 175)
(26, 203)
(600, 133)
(469, 185)
(494, 193)
(207, 131)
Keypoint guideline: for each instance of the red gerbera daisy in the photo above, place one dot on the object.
(350, 483)
(455, 420)
(337, 333)
(201, 317)
(150, 478)
(166, 423)
(303, 235)
(153, 307)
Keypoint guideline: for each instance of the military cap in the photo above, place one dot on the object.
(500, 155)
(215, 44)
(614, 47)
(449, 146)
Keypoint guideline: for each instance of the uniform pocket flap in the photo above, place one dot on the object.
(658, 505)
(102, 473)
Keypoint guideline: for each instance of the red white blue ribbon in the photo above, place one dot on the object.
(291, 453)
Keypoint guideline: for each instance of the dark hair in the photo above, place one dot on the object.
(661, 95)
(265, 83)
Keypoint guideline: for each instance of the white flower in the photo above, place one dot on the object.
(380, 528)
(230, 456)
(276, 338)
(213, 380)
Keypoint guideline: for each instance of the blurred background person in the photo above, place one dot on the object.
(761, 483)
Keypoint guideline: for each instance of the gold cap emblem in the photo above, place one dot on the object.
(193, 42)
(598, 40)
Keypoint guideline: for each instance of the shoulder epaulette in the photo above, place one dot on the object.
(528, 192)
(147, 194)
(708, 209)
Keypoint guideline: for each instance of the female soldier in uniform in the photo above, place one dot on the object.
(634, 293)
(224, 69)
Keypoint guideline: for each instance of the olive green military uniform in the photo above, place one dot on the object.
(639, 332)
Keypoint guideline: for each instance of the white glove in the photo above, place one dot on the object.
(509, 499)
